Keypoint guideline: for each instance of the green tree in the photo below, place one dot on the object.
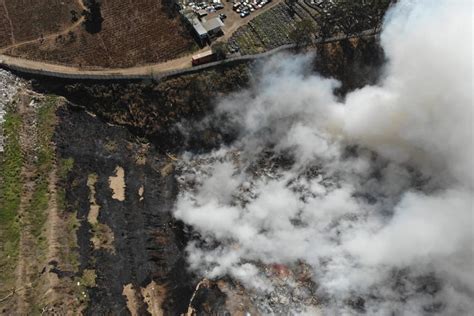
(302, 35)
(220, 50)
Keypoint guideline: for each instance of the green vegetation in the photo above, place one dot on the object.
(350, 17)
(65, 166)
(88, 278)
(266, 31)
(44, 164)
(10, 191)
(220, 50)
(302, 34)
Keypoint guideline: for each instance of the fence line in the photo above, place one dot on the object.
(177, 72)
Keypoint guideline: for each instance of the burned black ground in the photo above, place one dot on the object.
(109, 124)
(147, 240)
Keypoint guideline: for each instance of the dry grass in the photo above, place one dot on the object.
(24, 20)
(133, 33)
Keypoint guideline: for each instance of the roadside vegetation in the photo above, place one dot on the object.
(44, 164)
(290, 22)
(300, 21)
(35, 229)
(10, 190)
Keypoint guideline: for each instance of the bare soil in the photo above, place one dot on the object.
(30, 19)
(117, 184)
(133, 33)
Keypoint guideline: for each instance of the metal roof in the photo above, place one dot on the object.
(203, 54)
(198, 27)
(212, 24)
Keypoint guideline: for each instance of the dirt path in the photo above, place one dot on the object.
(52, 35)
(54, 224)
(63, 32)
(234, 21)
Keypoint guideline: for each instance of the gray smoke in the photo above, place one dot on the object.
(393, 220)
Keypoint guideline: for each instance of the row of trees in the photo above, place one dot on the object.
(350, 17)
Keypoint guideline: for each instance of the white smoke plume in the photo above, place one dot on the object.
(391, 220)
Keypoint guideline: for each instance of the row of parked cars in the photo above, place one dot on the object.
(245, 7)
(210, 7)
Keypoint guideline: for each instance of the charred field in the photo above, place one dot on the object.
(135, 243)
(122, 140)
(134, 240)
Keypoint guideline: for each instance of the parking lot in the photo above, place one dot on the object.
(247, 7)
(230, 12)
(243, 8)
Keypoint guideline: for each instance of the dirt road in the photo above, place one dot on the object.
(232, 23)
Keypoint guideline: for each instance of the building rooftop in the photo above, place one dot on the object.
(203, 54)
(212, 24)
(198, 27)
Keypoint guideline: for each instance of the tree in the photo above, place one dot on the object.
(220, 50)
(291, 6)
(93, 16)
(302, 35)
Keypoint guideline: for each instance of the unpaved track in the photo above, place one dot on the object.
(234, 21)
(53, 228)
(32, 286)
(63, 32)
(52, 35)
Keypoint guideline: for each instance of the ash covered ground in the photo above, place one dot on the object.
(371, 192)
(9, 86)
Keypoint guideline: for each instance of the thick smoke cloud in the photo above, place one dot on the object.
(392, 221)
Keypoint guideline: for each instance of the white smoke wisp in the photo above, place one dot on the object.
(368, 226)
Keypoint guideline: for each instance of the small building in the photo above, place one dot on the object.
(202, 29)
(213, 26)
(199, 29)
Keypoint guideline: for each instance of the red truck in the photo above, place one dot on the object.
(203, 58)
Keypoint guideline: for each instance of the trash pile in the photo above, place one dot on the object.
(290, 289)
(9, 86)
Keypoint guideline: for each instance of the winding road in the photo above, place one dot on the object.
(172, 67)
(232, 23)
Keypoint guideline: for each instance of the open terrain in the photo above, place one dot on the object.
(92, 172)
(131, 33)
(25, 20)
(96, 204)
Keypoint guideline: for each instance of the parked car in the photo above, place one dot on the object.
(244, 14)
(219, 6)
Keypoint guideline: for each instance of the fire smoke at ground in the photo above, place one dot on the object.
(371, 194)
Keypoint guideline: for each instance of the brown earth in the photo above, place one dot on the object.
(23, 20)
(133, 33)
